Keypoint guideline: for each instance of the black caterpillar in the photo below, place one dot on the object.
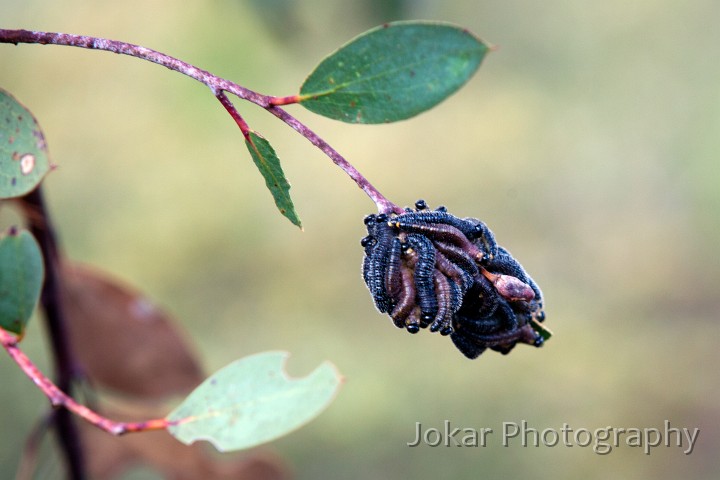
(428, 268)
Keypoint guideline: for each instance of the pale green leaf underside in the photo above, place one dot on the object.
(252, 401)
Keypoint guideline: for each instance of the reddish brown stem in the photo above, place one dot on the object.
(225, 101)
(277, 101)
(215, 83)
(59, 399)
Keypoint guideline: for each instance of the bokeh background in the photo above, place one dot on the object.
(588, 142)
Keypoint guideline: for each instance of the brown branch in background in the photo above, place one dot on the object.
(30, 454)
(58, 398)
(41, 227)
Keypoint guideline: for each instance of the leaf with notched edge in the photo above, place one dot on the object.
(122, 340)
(23, 151)
(252, 401)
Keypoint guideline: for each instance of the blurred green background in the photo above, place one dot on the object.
(589, 143)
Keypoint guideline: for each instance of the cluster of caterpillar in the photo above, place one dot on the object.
(428, 268)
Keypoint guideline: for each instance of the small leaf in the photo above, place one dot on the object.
(21, 278)
(393, 72)
(544, 332)
(23, 151)
(122, 340)
(269, 165)
(252, 401)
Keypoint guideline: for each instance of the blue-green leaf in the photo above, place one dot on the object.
(393, 72)
(21, 278)
(23, 151)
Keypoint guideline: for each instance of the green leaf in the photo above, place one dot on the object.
(21, 278)
(393, 72)
(23, 151)
(269, 165)
(252, 401)
(544, 332)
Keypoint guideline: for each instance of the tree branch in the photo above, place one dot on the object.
(123, 48)
(58, 398)
(41, 227)
(215, 83)
(383, 204)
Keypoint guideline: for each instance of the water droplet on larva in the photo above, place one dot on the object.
(27, 163)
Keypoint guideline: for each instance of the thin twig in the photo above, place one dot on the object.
(383, 204)
(215, 83)
(225, 101)
(123, 48)
(58, 398)
(29, 458)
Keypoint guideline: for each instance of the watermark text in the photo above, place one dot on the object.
(601, 440)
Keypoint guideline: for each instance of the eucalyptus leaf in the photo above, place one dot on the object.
(23, 151)
(21, 278)
(393, 72)
(252, 401)
(268, 163)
